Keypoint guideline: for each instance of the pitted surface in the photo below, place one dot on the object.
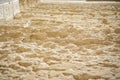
(62, 42)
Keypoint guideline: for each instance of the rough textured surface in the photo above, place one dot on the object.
(62, 42)
(25, 4)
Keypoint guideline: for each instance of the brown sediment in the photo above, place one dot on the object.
(61, 42)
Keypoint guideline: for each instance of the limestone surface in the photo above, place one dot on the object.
(73, 41)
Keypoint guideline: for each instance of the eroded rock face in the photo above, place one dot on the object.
(62, 42)
(25, 4)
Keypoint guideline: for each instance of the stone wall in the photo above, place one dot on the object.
(9, 9)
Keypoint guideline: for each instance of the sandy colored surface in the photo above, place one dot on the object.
(62, 42)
